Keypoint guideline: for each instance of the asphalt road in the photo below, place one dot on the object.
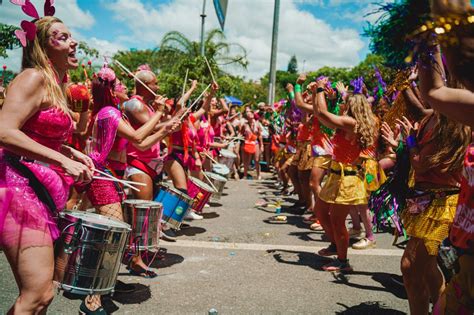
(236, 263)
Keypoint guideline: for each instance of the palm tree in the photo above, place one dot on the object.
(218, 51)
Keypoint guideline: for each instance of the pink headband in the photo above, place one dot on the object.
(28, 28)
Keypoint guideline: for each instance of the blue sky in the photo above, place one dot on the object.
(322, 32)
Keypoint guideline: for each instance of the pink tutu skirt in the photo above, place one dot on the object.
(25, 221)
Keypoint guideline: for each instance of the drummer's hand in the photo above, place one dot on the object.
(80, 172)
(81, 157)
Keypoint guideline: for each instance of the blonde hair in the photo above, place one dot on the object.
(366, 127)
(34, 56)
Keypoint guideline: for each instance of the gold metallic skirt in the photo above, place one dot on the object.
(345, 185)
(433, 224)
(323, 161)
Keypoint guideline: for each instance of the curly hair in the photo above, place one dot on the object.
(366, 123)
(451, 140)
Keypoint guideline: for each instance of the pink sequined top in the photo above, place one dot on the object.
(50, 127)
(205, 135)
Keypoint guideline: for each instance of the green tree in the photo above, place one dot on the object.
(84, 54)
(292, 65)
(8, 39)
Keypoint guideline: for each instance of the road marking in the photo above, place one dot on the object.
(267, 247)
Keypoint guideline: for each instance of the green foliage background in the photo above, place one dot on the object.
(176, 54)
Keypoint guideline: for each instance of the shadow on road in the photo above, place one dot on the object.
(210, 215)
(167, 261)
(299, 258)
(140, 294)
(385, 279)
(368, 308)
(316, 262)
(215, 204)
(191, 231)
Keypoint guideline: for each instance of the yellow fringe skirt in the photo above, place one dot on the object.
(345, 185)
(323, 161)
(433, 224)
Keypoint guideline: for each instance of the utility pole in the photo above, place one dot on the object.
(273, 57)
(203, 20)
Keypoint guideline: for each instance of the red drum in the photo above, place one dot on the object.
(200, 192)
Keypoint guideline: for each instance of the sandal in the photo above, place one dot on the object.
(331, 250)
(84, 310)
(316, 226)
(277, 219)
(338, 266)
(145, 273)
(310, 220)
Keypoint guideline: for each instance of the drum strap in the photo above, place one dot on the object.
(41, 192)
(142, 166)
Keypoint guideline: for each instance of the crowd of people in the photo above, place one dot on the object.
(401, 155)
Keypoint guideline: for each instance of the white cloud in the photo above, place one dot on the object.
(68, 11)
(248, 23)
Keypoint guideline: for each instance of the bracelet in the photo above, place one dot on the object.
(298, 88)
(411, 142)
(291, 95)
(319, 90)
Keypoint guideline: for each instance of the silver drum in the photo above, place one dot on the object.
(89, 252)
(219, 182)
(144, 217)
(227, 158)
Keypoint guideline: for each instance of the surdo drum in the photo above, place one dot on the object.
(227, 158)
(175, 205)
(89, 252)
(221, 169)
(144, 217)
(218, 182)
(200, 192)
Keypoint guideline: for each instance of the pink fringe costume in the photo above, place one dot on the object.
(101, 192)
(25, 221)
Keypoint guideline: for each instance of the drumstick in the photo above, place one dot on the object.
(135, 77)
(116, 180)
(125, 182)
(210, 158)
(235, 115)
(194, 103)
(210, 182)
(209, 67)
(185, 80)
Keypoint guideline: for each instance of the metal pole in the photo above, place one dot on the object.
(271, 86)
(203, 19)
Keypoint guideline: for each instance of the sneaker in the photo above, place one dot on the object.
(356, 234)
(338, 266)
(364, 244)
(191, 215)
(207, 205)
(331, 250)
(168, 235)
